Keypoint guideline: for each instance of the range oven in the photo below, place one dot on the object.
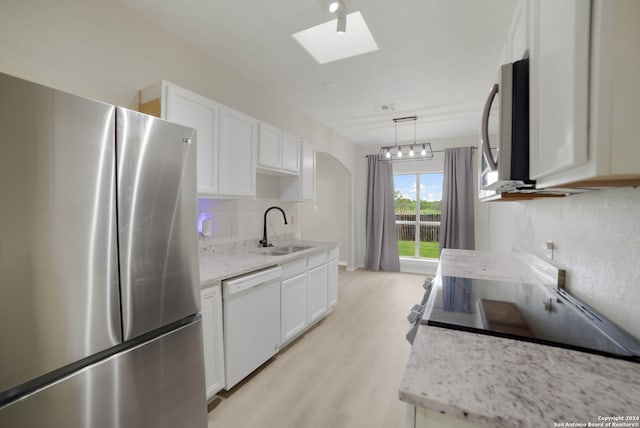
(522, 311)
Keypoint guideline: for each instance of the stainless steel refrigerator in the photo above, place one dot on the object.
(99, 282)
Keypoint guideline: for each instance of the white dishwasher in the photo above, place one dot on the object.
(251, 311)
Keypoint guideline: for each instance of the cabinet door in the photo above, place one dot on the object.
(308, 174)
(559, 84)
(317, 280)
(269, 146)
(237, 160)
(518, 36)
(293, 306)
(290, 153)
(211, 299)
(332, 283)
(190, 109)
(302, 187)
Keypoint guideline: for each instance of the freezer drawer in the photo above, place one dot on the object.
(157, 217)
(59, 298)
(157, 384)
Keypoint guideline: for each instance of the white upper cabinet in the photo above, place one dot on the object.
(238, 142)
(226, 138)
(278, 151)
(303, 187)
(518, 38)
(585, 93)
(559, 85)
(187, 108)
(269, 147)
(291, 153)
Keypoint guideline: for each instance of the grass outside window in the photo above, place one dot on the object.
(427, 249)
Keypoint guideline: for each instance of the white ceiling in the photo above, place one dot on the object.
(437, 59)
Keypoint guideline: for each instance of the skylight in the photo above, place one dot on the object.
(326, 45)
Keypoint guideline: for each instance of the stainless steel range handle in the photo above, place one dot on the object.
(486, 149)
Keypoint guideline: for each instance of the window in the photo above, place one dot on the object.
(418, 223)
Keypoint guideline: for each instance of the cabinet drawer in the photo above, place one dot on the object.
(317, 259)
(296, 267)
(333, 254)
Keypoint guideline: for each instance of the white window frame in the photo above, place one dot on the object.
(417, 222)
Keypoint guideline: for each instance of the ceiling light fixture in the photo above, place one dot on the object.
(342, 24)
(386, 152)
(339, 8)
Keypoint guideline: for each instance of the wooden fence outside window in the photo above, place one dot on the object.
(407, 231)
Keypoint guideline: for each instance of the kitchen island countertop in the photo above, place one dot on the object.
(498, 382)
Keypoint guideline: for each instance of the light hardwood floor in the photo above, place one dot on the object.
(343, 373)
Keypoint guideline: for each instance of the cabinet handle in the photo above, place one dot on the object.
(486, 149)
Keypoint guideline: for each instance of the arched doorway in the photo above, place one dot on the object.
(328, 218)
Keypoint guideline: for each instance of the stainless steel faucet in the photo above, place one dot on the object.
(264, 242)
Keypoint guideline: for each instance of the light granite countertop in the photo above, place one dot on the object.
(222, 266)
(498, 382)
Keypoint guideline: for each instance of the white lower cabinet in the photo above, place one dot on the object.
(419, 417)
(309, 289)
(317, 281)
(293, 307)
(211, 300)
(317, 293)
(332, 278)
(294, 315)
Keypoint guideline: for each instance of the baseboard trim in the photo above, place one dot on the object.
(421, 266)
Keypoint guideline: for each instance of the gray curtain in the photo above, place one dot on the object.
(456, 223)
(382, 240)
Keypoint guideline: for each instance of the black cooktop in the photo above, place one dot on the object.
(529, 312)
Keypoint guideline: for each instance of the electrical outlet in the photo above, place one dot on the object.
(549, 247)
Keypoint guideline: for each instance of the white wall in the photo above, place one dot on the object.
(597, 239)
(327, 219)
(103, 50)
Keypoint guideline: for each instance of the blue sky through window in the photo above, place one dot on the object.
(430, 186)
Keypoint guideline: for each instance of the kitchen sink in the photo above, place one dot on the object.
(284, 250)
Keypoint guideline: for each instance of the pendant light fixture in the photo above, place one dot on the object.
(397, 151)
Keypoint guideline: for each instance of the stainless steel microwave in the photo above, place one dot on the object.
(504, 163)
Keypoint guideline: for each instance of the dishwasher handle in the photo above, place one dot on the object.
(244, 282)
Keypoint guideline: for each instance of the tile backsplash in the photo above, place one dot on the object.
(238, 224)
